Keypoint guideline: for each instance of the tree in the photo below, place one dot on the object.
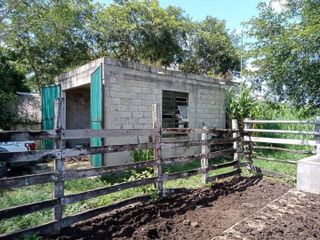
(210, 49)
(49, 36)
(140, 31)
(12, 80)
(286, 51)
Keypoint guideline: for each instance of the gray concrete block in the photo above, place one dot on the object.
(308, 177)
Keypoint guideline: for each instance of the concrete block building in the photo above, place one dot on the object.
(113, 94)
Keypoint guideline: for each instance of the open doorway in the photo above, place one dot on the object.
(78, 112)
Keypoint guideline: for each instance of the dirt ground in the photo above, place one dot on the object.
(295, 215)
(201, 213)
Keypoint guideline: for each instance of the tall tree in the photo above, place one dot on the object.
(140, 31)
(287, 50)
(210, 49)
(49, 36)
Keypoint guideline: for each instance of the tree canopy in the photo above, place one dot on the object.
(50, 37)
(12, 80)
(287, 51)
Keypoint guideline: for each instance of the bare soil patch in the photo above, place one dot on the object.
(295, 215)
(200, 213)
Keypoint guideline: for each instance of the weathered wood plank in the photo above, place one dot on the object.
(90, 172)
(75, 152)
(236, 144)
(223, 165)
(184, 174)
(30, 156)
(224, 175)
(27, 208)
(275, 174)
(23, 181)
(196, 130)
(204, 159)
(182, 159)
(58, 188)
(283, 131)
(189, 143)
(104, 133)
(275, 160)
(284, 149)
(106, 190)
(6, 136)
(48, 228)
(156, 140)
(281, 141)
(35, 156)
(67, 221)
(222, 153)
(279, 121)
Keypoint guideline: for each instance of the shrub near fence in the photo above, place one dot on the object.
(59, 175)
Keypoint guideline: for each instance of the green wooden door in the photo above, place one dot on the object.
(48, 97)
(96, 112)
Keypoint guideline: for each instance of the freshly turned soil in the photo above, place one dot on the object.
(193, 214)
(294, 216)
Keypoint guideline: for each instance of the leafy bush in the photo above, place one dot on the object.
(240, 104)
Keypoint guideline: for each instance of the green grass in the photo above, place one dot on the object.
(283, 168)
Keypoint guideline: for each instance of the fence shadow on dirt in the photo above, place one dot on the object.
(123, 222)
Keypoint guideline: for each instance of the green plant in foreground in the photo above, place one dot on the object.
(141, 155)
(239, 104)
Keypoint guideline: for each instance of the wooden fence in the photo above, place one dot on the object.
(60, 175)
(250, 141)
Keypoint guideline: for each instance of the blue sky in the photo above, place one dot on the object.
(233, 11)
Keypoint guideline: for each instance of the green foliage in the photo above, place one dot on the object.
(12, 80)
(48, 36)
(286, 51)
(141, 155)
(209, 49)
(240, 104)
(140, 31)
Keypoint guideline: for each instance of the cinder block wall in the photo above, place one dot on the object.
(78, 112)
(131, 89)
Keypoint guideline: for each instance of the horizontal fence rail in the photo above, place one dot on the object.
(252, 136)
(60, 175)
(283, 131)
(279, 121)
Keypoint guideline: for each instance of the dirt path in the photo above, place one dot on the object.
(295, 215)
(194, 214)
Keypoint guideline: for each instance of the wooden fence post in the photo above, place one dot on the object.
(157, 153)
(317, 136)
(58, 191)
(235, 134)
(247, 147)
(204, 153)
